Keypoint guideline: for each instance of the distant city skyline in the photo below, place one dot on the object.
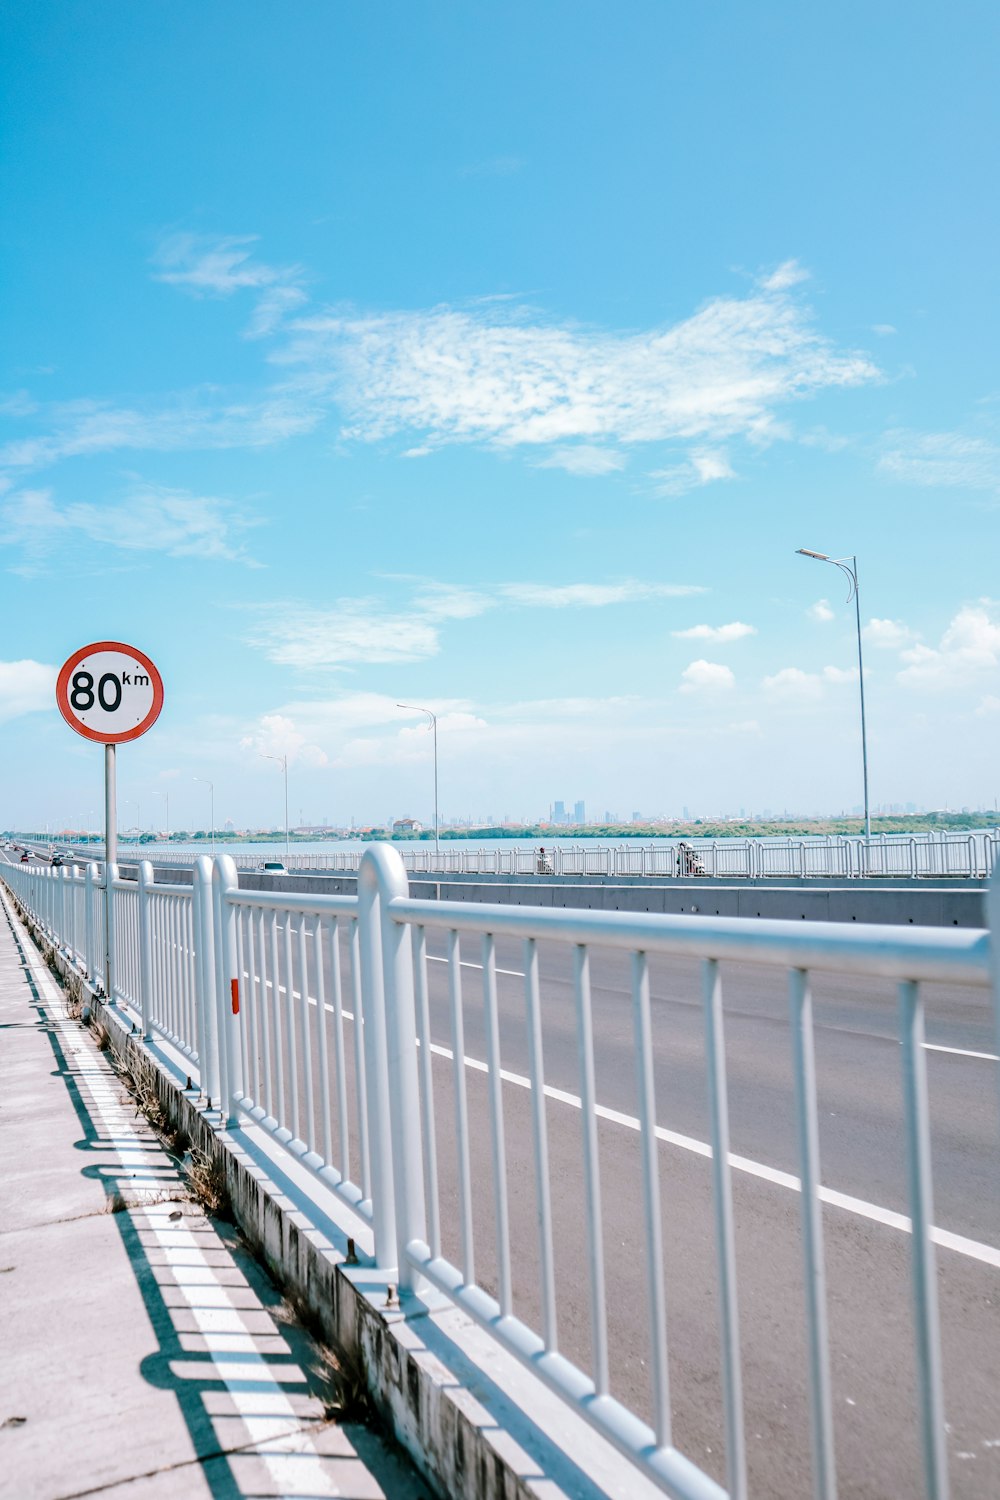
(500, 365)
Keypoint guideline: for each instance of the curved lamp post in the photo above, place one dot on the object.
(849, 567)
(433, 725)
(282, 761)
(211, 787)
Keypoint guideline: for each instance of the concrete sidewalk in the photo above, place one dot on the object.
(145, 1353)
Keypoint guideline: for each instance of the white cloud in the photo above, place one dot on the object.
(561, 709)
(444, 601)
(26, 687)
(357, 729)
(707, 676)
(953, 460)
(151, 519)
(884, 330)
(366, 630)
(969, 647)
(719, 635)
(354, 630)
(887, 635)
(18, 404)
(702, 466)
(789, 273)
(278, 735)
(988, 707)
(585, 459)
(208, 265)
(592, 595)
(470, 375)
(840, 674)
(88, 427)
(820, 611)
(792, 685)
(821, 437)
(272, 309)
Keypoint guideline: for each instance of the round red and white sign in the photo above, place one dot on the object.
(109, 692)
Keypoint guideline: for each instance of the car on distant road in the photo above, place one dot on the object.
(24, 855)
(273, 867)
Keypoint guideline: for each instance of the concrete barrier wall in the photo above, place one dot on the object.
(934, 904)
(955, 903)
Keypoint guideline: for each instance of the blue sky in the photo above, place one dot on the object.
(497, 358)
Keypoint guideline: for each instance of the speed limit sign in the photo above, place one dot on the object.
(109, 692)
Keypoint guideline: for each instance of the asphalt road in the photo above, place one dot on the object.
(868, 1264)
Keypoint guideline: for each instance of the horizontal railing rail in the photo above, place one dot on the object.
(311, 1016)
(924, 856)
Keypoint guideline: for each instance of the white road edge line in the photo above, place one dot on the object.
(961, 1052)
(219, 1309)
(973, 1249)
(465, 964)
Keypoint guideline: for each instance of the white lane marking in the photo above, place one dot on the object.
(975, 1250)
(962, 1052)
(944, 1237)
(464, 964)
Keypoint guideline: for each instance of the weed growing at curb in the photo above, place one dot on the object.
(145, 1097)
(208, 1183)
(343, 1388)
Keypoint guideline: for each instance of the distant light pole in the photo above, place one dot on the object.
(166, 808)
(849, 567)
(283, 763)
(211, 789)
(432, 716)
(138, 818)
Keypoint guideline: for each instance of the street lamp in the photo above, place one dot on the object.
(849, 567)
(211, 789)
(138, 818)
(433, 726)
(166, 808)
(283, 763)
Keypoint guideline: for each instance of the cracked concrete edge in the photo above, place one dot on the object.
(536, 1447)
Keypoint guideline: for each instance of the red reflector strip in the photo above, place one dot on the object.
(235, 986)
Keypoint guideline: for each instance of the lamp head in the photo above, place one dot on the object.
(805, 552)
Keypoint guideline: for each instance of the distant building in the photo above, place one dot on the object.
(559, 812)
(579, 812)
(407, 825)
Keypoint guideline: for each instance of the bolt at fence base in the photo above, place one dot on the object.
(391, 1300)
(351, 1258)
(189, 1084)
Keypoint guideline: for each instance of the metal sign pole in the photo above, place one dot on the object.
(110, 862)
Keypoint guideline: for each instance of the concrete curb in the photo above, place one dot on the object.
(474, 1421)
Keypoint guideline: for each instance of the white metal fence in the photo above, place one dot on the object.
(896, 856)
(311, 1016)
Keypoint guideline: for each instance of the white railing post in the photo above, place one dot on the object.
(376, 1064)
(60, 903)
(145, 948)
(206, 1010)
(401, 1057)
(110, 876)
(89, 878)
(226, 879)
(993, 922)
(398, 1204)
